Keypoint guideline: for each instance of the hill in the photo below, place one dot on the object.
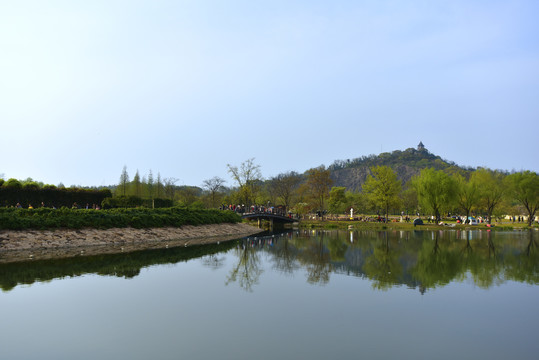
(353, 173)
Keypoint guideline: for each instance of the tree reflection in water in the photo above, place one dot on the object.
(285, 259)
(383, 265)
(419, 259)
(248, 270)
(316, 261)
(213, 261)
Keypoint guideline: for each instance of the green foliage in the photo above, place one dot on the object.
(30, 186)
(12, 274)
(413, 158)
(524, 187)
(383, 188)
(468, 195)
(337, 200)
(13, 184)
(491, 190)
(49, 195)
(436, 191)
(46, 218)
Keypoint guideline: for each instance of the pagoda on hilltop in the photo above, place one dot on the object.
(421, 147)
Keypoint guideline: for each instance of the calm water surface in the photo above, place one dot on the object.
(296, 295)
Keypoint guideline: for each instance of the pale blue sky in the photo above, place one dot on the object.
(185, 87)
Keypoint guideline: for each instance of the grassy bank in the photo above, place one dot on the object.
(360, 225)
(47, 218)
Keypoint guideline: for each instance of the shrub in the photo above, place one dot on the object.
(46, 218)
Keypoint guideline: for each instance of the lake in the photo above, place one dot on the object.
(300, 294)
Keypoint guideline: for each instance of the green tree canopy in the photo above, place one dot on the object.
(467, 193)
(383, 188)
(491, 189)
(337, 200)
(524, 187)
(436, 191)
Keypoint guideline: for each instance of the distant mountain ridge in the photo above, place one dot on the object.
(353, 173)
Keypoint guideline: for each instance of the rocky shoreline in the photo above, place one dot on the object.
(19, 245)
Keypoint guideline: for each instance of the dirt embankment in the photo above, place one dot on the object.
(24, 244)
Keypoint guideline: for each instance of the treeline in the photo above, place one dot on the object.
(455, 191)
(152, 192)
(33, 194)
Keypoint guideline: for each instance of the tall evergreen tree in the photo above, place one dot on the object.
(124, 180)
(137, 185)
(159, 185)
(150, 185)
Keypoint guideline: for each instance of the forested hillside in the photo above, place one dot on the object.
(353, 173)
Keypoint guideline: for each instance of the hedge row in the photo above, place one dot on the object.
(10, 196)
(46, 218)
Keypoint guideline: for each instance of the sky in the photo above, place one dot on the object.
(183, 88)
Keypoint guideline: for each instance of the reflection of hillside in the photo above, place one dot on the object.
(418, 259)
(126, 265)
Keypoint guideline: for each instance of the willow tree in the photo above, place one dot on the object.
(468, 194)
(383, 188)
(491, 189)
(436, 191)
(524, 187)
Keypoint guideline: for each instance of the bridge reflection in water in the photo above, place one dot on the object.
(275, 221)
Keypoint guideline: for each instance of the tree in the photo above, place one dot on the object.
(409, 199)
(13, 183)
(188, 195)
(137, 185)
(248, 177)
(284, 186)
(319, 182)
(170, 187)
(213, 186)
(435, 190)
(383, 188)
(491, 189)
(124, 180)
(337, 200)
(159, 185)
(149, 186)
(524, 187)
(467, 193)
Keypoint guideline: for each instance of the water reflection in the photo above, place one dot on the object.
(126, 265)
(419, 260)
(248, 268)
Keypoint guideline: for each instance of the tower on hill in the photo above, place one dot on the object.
(420, 147)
